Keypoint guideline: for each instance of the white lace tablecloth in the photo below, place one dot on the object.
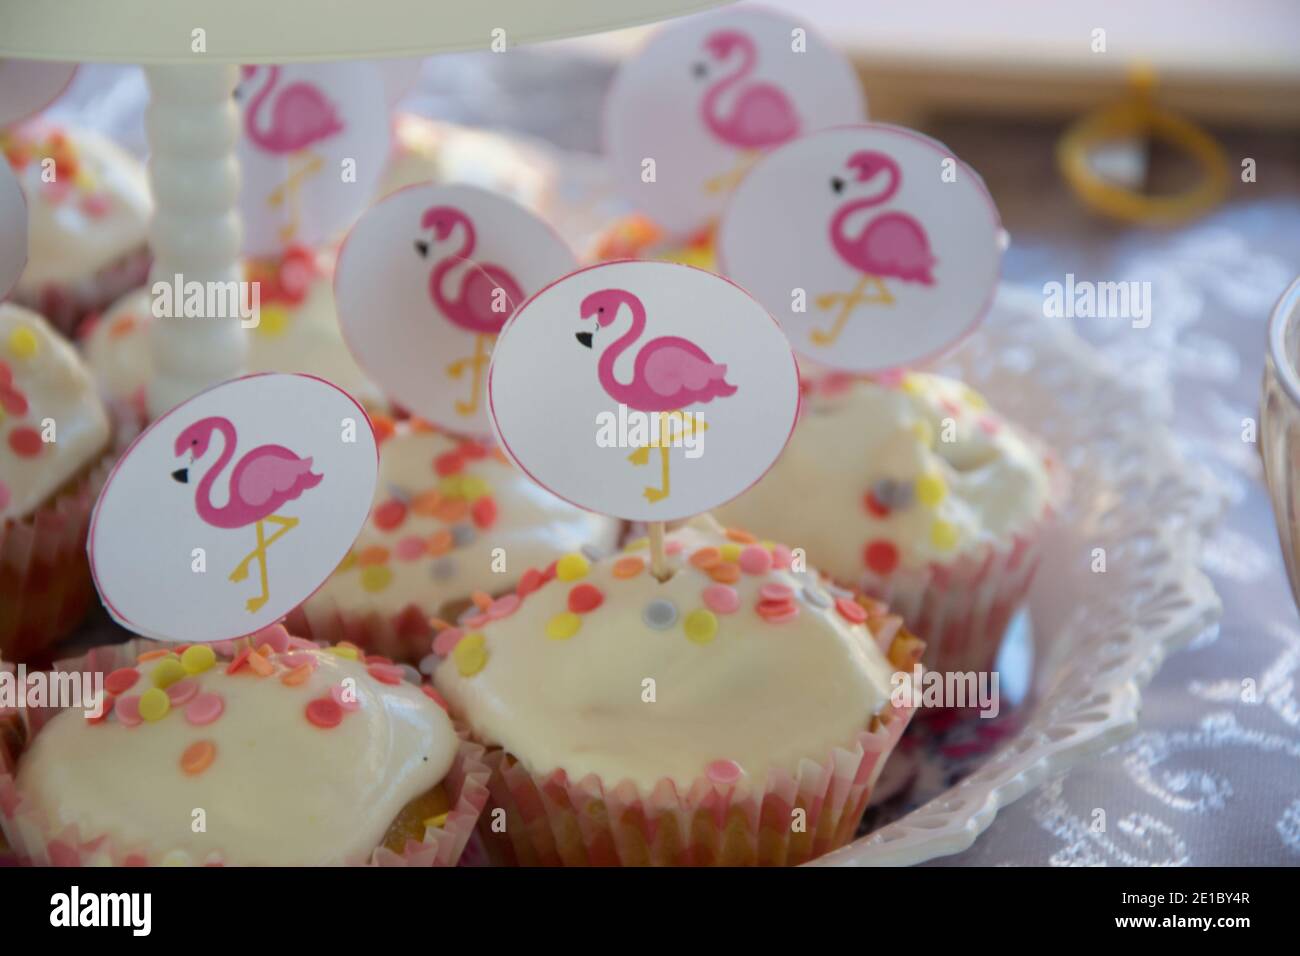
(1210, 778)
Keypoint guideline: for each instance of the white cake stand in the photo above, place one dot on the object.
(191, 50)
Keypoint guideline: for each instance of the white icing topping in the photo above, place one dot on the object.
(279, 790)
(44, 391)
(765, 695)
(532, 526)
(86, 220)
(981, 487)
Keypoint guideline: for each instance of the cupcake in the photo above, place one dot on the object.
(297, 331)
(916, 492)
(297, 755)
(428, 151)
(454, 526)
(54, 435)
(88, 215)
(736, 713)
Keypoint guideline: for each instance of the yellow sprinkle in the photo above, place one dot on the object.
(943, 534)
(376, 577)
(198, 658)
(637, 544)
(913, 384)
(973, 398)
(470, 654)
(176, 858)
(23, 342)
(930, 489)
(273, 321)
(450, 487)
(154, 703)
(571, 567)
(435, 823)
(701, 626)
(729, 551)
(473, 487)
(351, 653)
(562, 627)
(349, 559)
(167, 672)
(924, 432)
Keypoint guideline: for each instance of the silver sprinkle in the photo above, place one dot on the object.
(816, 596)
(462, 534)
(593, 552)
(411, 675)
(400, 493)
(443, 568)
(429, 664)
(660, 614)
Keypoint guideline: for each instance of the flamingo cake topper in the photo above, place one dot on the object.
(313, 145)
(178, 530)
(616, 362)
(426, 280)
(28, 86)
(707, 97)
(873, 245)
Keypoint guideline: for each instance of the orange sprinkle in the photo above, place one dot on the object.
(628, 567)
(440, 542)
(151, 656)
(198, 757)
(296, 676)
(706, 558)
(260, 665)
(727, 573)
(426, 502)
(742, 537)
(383, 426)
(452, 510)
(122, 325)
(438, 624)
(482, 600)
(500, 456)
(375, 554)
(418, 424)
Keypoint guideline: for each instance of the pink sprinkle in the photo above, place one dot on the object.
(672, 547)
(989, 426)
(724, 771)
(95, 205)
(345, 698)
(293, 661)
(755, 560)
(385, 673)
(775, 592)
(302, 644)
(275, 635)
(781, 557)
(224, 649)
(477, 620)
(204, 709)
(503, 607)
(121, 680)
(447, 640)
(127, 710)
(721, 598)
(781, 616)
(183, 691)
(411, 548)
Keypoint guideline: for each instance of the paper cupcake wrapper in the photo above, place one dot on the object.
(45, 583)
(34, 839)
(66, 304)
(552, 821)
(406, 637)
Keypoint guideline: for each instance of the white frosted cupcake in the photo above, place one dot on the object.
(88, 208)
(454, 530)
(735, 714)
(297, 756)
(54, 438)
(916, 492)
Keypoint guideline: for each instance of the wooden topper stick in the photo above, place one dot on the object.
(658, 560)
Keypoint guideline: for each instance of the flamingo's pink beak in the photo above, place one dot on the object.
(440, 220)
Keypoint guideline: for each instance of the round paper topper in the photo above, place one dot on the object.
(706, 96)
(649, 391)
(28, 86)
(424, 282)
(873, 245)
(313, 143)
(13, 230)
(399, 77)
(231, 509)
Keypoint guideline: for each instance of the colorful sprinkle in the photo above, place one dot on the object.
(484, 512)
(723, 771)
(447, 640)
(851, 610)
(426, 502)
(930, 489)
(25, 441)
(706, 558)
(167, 672)
(385, 673)
(584, 598)
(563, 626)
(448, 463)
(721, 598)
(701, 626)
(442, 569)
(881, 556)
(154, 704)
(410, 548)
(182, 692)
(23, 343)
(740, 536)
(239, 661)
(775, 592)
(198, 658)
(755, 560)
(376, 578)
(434, 696)
(816, 596)
(923, 431)
(260, 664)
(944, 535)
(346, 651)
(462, 535)
(127, 710)
(470, 654)
(121, 680)
(875, 507)
(390, 515)
(504, 606)
(373, 555)
(572, 567)
(730, 551)
(274, 636)
(296, 676)
(529, 582)
(725, 572)
(778, 612)
(198, 757)
(660, 614)
(324, 712)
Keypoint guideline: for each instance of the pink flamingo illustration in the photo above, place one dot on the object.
(263, 480)
(761, 115)
(484, 300)
(668, 373)
(892, 244)
(300, 117)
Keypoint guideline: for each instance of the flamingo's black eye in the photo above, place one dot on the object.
(194, 441)
(837, 184)
(601, 309)
(700, 70)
